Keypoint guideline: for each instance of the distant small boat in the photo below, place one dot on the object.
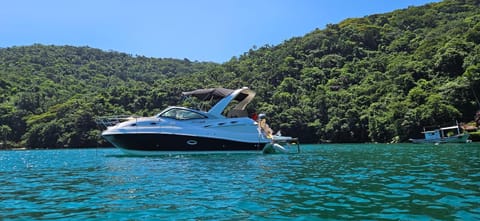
(449, 134)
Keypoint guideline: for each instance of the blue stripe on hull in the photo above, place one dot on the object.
(171, 142)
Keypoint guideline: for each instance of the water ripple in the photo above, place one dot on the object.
(324, 182)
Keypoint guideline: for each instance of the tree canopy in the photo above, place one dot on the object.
(379, 78)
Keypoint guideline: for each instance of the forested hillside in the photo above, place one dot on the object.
(50, 95)
(374, 79)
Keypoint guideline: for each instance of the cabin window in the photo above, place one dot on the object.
(181, 114)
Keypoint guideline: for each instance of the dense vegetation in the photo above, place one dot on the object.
(374, 79)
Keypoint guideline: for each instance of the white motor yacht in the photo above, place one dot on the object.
(220, 128)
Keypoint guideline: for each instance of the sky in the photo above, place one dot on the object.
(199, 30)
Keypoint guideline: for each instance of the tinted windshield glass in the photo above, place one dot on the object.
(181, 114)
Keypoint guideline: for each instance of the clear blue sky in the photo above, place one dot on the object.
(203, 30)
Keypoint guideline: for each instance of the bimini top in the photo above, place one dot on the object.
(213, 93)
(225, 96)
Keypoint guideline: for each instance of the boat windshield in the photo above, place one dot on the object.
(181, 114)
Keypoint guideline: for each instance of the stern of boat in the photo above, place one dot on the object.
(282, 144)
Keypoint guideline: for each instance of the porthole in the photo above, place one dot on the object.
(192, 142)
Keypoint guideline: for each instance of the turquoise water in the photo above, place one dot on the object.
(334, 182)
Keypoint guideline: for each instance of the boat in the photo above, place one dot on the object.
(219, 122)
(450, 134)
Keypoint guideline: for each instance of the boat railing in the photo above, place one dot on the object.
(109, 121)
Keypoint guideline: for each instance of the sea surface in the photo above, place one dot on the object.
(323, 182)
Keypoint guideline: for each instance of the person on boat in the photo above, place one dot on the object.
(254, 116)
(262, 123)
